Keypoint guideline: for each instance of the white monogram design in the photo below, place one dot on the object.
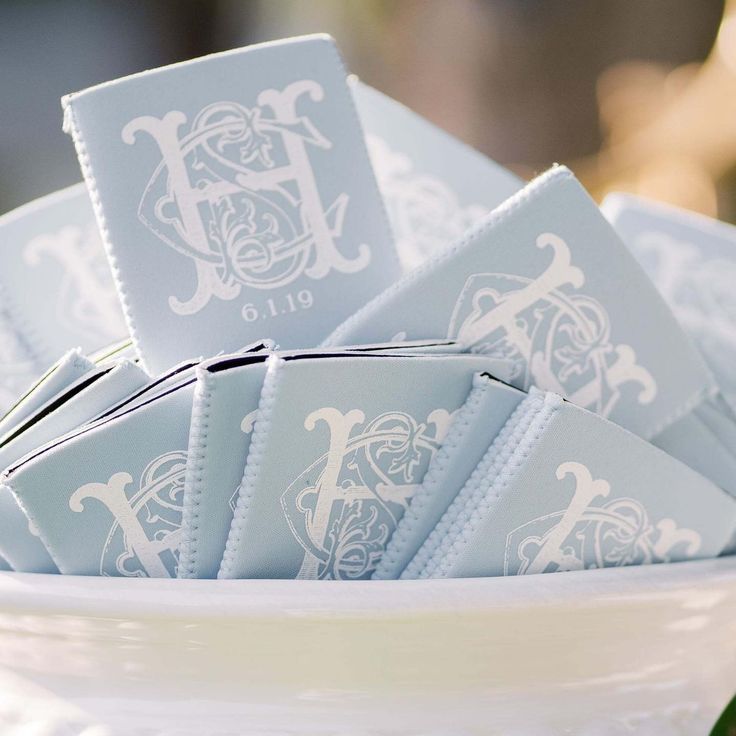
(592, 533)
(545, 334)
(236, 193)
(248, 422)
(144, 535)
(425, 213)
(343, 508)
(87, 298)
(699, 290)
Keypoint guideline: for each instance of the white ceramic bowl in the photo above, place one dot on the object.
(632, 650)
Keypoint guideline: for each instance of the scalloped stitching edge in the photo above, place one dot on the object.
(193, 480)
(71, 127)
(261, 432)
(492, 490)
(470, 494)
(434, 477)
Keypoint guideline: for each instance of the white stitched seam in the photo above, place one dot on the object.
(261, 431)
(442, 563)
(435, 475)
(501, 444)
(70, 122)
(193, 477)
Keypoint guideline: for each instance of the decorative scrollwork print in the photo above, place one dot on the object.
(87, 299)
(343, 508)
(544, 332)
(236, 193)
(425, 213)
(593, 533)
(144, 534)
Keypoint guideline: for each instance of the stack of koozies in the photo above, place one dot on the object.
(352, 347)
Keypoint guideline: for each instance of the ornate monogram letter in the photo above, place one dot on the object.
(590, 534)
(425, 213)
(545, 334)
(87, 300)
(145, 529)
(343, 508)
(236, 192)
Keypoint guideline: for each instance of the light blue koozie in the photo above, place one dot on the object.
(65, 371)
(152, 388)
(705, 439)
(168, 380)
(114, 351)
(51, 248)
(236, 198)
(692, 261)
(568, 490)
(434, 186)
(107, 499)
(20, 544)
(474, 427)
(544, 286)
(74, 406)
(224, 413)
(339, 446)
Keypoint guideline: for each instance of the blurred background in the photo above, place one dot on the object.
(634, 95)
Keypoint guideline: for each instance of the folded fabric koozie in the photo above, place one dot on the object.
(548, 291)
(74, 406)
(56, 289)
(77, 404)
(236, 198)
(224, 414)
(65, 371)
(433, 185)
(107, 499)
(563, 489)
(18, 540)
(692, 261)
(340, 444)
(474, 427)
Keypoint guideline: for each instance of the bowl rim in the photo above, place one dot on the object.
(143, 597)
